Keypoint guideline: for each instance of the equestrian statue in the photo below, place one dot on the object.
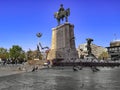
(61, 14)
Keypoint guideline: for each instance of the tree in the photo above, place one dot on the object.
(103, 55)
(16, 52)
(4, 53)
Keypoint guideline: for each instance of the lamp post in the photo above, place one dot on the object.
(38, 49)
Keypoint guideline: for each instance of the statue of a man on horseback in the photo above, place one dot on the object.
(61, 14)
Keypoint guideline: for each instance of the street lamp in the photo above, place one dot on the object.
(38, 49)
(39, 35)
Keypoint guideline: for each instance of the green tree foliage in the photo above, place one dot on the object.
(104, 55)
(16, 52)
(4, 53)
(22, 55)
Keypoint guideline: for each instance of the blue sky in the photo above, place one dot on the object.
(20, 20)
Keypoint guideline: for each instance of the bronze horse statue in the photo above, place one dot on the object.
(61, 15)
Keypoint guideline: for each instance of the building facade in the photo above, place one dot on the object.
(114, 50)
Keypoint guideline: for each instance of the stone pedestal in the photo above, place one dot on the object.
(63, 43)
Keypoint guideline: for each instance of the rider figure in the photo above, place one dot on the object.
(61, 8)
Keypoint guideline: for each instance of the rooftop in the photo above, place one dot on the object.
(118, 40)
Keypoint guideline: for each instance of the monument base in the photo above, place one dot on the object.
(63, 43)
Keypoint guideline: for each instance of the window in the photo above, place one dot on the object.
(109, 49)
(113, 49)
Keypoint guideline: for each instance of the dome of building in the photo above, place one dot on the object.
(115, 43)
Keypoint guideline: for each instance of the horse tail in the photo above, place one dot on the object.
(68, 11)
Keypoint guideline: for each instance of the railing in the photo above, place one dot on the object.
(87, 64)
